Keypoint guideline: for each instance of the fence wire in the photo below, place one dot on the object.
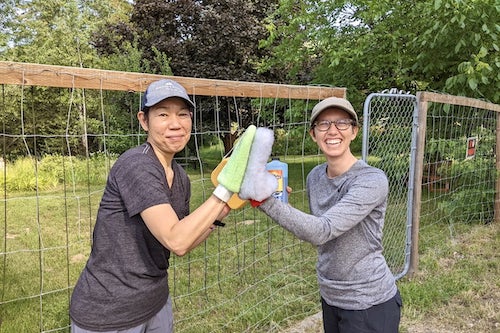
(250, 276)
(389, 141)
(459, 171)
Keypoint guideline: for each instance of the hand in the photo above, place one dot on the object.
(231, 176)
(258, 184)
(235, 202)
(255, 203)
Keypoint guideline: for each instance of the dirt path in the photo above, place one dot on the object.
(313, 324)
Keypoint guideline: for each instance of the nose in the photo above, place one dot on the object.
(174, 123)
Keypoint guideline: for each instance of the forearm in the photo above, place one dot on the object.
(305, 226)
(197, 226)
(202, 238)
(180, 236)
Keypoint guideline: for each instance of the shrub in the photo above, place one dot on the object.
(52, 171)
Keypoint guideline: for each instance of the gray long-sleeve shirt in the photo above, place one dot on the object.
(346, 222)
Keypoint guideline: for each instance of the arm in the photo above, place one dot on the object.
(181, 236)
(338, 213)
(202, 238)
(206, 234)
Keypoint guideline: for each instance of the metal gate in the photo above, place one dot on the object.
(390, 120)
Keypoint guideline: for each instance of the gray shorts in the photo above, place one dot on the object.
(162, 322)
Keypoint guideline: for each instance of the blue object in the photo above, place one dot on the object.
(280, 171)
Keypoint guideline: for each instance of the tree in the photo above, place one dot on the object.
(461, 48)
(367, 46)
(56, 32)
(207, 39)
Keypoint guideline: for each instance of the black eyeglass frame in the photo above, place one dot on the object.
(344, 124)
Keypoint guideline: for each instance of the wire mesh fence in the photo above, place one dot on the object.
(459, 166)
(389, 143)
(58, 144)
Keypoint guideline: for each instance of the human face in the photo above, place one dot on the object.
(168, 124)
(333, 142)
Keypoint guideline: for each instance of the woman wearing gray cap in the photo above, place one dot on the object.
(143, 216)
(347, 200)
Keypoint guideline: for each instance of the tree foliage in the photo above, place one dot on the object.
(461, 43)
(368, 46)
(207, 39)
(56, 32)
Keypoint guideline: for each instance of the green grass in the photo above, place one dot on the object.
(240, 273)
(34, 281)
(457, 285)
(251, 276)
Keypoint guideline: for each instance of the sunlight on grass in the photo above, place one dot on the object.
(251, 275)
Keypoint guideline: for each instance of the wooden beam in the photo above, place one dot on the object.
(74, 77)
(417, 184)
(496, 205)
(458, 100)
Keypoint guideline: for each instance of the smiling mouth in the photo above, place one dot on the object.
(333, 142)
(175, 136)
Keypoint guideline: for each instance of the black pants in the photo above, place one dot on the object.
(381, 318)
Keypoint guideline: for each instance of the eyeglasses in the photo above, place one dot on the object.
(341, 124)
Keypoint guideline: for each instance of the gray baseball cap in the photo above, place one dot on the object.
(333, 102)
(163, 89)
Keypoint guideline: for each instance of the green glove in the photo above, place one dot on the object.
(231, 176)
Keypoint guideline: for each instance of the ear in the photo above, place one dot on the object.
(311, 133)
(143, 120)
(355, 130)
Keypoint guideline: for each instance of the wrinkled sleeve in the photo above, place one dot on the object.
(364, 194)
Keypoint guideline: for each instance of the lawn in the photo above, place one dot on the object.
(250, 276)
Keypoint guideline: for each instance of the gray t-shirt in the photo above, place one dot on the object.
(346, 222)
(124, 282)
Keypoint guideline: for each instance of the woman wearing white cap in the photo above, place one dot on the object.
(143, 216)
(347, 200)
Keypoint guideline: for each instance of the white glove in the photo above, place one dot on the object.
(259, 184)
